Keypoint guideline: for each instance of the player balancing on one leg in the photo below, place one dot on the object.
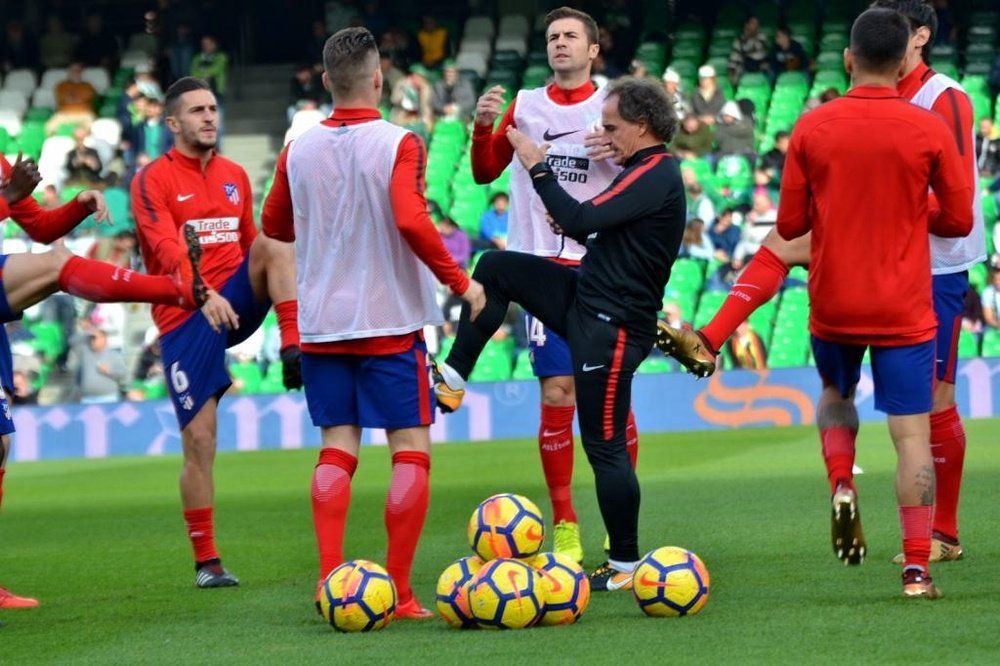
(852, 173)
(951, 259)
(561, 115)
(29, 278)
(607, 310)
(194, 191)
(350, 193)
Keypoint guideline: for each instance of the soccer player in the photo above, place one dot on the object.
(29, 278)
(853, 172)
(194, 192)
(951, 260)
(606, 311)
(562, 115)
(350, 193)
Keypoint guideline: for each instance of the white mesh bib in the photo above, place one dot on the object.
(357, 277)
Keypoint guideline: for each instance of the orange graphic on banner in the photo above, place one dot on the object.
(731, 406)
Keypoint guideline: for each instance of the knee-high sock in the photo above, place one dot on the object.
(555, 444)
(405, 511)
(757, 284)
(288, 322)
(331, 497)
(632, 439)
(948, 448)
(201, 531)
(915, 522)
(101, 282)
(838, 454)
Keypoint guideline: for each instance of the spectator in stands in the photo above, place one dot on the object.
(395, 43)
(827, 95)
(612, 57)
(97, 46)
(56, 46)
(787, 54)
(725, 236)
(493, 223)
(773, 161)
(672, 86)
(181, 50)
(18, 48)
(212, 66)
(637, 68)
(453, 97)
(374, 18)
(673, 316)
(747, 349)
(946, 30)
(991, 300)
(749, 52)
(734, 133)
(758, 222)
(24, 391)
(312, 49)
(455, 241)
(695, 243)
(74, 101)
(693, 139)
(149, 365)
(101, 371)
(972, 312)
(987, 148)
(699, 204)
(411, 101)
(764, 184)
(83, 164)
(306, 90)
(391, 75)
(147, 82)
(994, 79)
(150, 137)
(118, 250)
(708, 100)
(433, 41)
(50, 198)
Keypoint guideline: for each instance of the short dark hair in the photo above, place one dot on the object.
(182, 85)
(782, 134)
(919, 14)
(589, 24)
(348, 55)
(878, 40)
(640, 100)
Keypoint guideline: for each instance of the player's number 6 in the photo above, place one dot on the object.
(178, 378)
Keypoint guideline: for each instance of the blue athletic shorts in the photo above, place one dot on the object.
(6, 313)
(903, 376)
(391, 391)
(549, 351)
(949, 303)
(6, 358)
(194, 356)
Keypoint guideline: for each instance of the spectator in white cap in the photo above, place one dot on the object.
(708, 99)
(734, 132)
(672, 84)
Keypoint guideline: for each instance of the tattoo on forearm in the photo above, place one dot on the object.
(925, 481)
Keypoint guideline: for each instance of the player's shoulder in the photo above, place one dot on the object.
(154, 172)
(229, 165)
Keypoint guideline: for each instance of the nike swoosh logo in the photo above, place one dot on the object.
(612, 585)
(745, 284)
(588, 368)
(553, 433)
(649, 582)
(549, 136)
(184, 197)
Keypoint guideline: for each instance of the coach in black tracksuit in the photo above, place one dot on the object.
(607, 309)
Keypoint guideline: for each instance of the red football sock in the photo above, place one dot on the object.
(838, 453)
(288, 322)
(756, 285)
(555, 444)
(331, 496)
(2, 472)
(948, 448)
(915, 522)
(101, 282)
(405, 511)
(201, 531)
(632, 439)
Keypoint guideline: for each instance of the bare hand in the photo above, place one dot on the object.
(598, 145)
(526, 150)
(489, 105)
(475, 296)
(219, 312)
(24, 177)
(93, 200)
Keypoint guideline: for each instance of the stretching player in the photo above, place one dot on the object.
(193, 191)
(852, 173)
(951, 259)
(562, 115)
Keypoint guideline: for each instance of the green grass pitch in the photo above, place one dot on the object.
(102, 544)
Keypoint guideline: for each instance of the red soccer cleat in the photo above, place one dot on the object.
(412, 610)
(191, 287)
(10, 600)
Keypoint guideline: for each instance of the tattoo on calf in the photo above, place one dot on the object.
(925, 480)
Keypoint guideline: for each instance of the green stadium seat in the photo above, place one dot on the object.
(154, 389)
(991, 343)
(31, 138)
(830, 61)
(247, 374)
(968, 346)
(735, 172)
(522, 366)
(979, 277)
(655, 365)
(708, 305)
(494, 364)
(272, 383)
(687, 275)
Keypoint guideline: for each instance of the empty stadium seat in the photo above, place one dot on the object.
(52, 77)
(97, 77)
(21, 79)
(472, 60)
(479, 26)
(108, 130)
(14, 100)
(11, 121)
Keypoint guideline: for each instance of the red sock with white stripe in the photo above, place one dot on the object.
(102, 282)
(915, 522)
(201, 531)
(331, 497)
(838, 454)
(632, 439)
(288, 322)
(756, 285)
(948, 448)
(555, 445)
(405, 511)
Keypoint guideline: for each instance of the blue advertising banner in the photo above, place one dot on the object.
(662, 403)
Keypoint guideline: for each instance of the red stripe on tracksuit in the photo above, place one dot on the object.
(423, 388)
(612, 391)
(628, 180)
